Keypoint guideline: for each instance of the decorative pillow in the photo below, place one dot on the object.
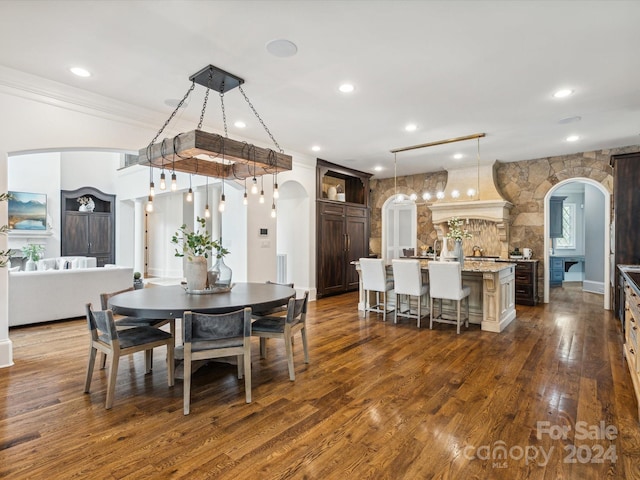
(14, 269)
(47, 264)
(74, 263)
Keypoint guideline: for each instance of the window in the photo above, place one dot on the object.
(399, 228)
(568, 239)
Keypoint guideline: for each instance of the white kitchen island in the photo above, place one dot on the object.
(492, 300)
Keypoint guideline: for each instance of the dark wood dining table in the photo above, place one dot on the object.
(172, 301)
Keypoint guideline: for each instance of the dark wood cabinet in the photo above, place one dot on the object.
(555, 216)
(526, 277)
(342, 227)
(626, 204)
(88, 233)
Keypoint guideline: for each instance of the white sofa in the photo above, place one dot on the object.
(41, 296)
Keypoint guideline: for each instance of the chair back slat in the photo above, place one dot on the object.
(374, 275)
(297, 308)
(445, 280)
(407, 276)
(204, 327)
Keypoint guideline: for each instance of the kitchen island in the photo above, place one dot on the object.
(492, 298)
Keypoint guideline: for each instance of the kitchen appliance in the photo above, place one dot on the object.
(527, 253)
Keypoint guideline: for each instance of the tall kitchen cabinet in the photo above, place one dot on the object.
(626, 204)
(88, 233)
(342, 226)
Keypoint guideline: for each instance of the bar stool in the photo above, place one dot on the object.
(445, 281)
(374, 279)
(407, 279)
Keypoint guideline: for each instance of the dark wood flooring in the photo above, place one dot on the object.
(377, 401)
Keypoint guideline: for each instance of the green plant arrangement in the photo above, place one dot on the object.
(4, 254)
(33, 251)
(456, 231)
(196, 243)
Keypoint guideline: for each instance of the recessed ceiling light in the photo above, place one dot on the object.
(346, 88)
(458, 156)
(565, 92)
(282, 48)
(573, 138)
(80, 72)
(315, 148)
(564, 121)
(240, 124)
(378, 168)
(411, 127)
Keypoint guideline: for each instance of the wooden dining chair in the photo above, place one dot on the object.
(114, 343)
(124, 321)
(208, 336)
(285, 327)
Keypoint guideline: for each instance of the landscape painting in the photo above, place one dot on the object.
(28, 211)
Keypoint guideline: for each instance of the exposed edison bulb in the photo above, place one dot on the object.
(455, 193)
(254, 187)
(440, 195)
(471, 192)
(261, 196)
(426, 196)
(190, 195)
(273, 210)
(221, 204)
(207, 213)
(413, 197)
(245, 200)
(150, 204)
(163, 182)
(399, 197)
(152, 190)
(174, 183)
(276, 193)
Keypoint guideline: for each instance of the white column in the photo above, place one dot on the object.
(139, 235)
(6, 347)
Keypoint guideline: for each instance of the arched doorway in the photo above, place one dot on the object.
(292, 232)
(597, 221)
(399, 227)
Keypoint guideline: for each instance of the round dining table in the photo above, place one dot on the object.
(172, 301)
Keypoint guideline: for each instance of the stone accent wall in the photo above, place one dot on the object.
(523, 183)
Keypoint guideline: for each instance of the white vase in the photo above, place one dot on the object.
(195, 272)
(444, 253)
(30, 266)
(332, 192)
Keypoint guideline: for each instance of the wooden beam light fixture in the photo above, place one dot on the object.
(209, 154)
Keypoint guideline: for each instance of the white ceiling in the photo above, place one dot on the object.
(453, 68)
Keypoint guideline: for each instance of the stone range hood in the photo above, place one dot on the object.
(488, 204)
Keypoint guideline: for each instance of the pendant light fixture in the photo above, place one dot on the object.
(190, 192)
(207, 213)
(245, 200)
(262, 190)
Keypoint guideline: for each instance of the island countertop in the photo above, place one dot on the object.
(468, 266)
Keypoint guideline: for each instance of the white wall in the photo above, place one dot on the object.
(594, 235)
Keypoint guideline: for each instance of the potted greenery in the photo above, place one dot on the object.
(137, 281)
(458, 234)
(196, 245)
(4, 254)
(32, 253)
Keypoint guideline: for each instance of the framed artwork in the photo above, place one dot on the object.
(28, 211)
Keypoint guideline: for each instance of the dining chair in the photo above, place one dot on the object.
(280, 309)
(208, 336)
(114, 343)
(374, 279)
(285, 327)
(445, 282)
(407, 280)
(124, 321)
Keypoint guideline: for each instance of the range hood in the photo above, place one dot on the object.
(487, 204)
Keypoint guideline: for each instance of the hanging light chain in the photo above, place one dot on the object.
(206, 98)
(173, 114)
(224, 114)
(260, 119)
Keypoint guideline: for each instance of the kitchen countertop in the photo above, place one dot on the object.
(632, 274)
(469, 265)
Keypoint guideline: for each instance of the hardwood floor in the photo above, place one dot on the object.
(378, 400)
